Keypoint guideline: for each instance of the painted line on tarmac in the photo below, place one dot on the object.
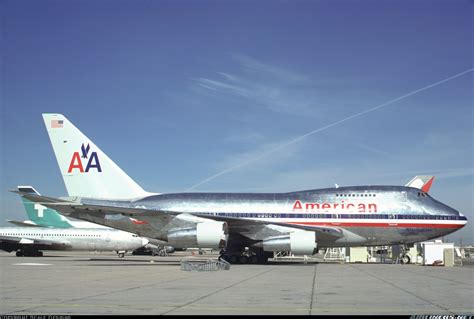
(215, 292)
(404, 290)
(312, 290)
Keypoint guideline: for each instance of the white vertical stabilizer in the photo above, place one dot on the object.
(86, 170)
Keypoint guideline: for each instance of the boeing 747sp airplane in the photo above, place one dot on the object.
(247, 227)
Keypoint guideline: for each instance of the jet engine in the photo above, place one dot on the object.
(299, 243)
(203, 235)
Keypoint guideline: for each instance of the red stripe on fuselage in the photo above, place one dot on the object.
(398, 225)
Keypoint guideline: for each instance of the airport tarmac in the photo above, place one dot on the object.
(68, 283)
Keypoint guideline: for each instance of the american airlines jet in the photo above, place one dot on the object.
(247, 227)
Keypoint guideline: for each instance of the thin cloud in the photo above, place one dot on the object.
(302, 137)
(263, 85)
(235, 161)
(245, 138)
(267, 70)
(223, 87)
(372, 149)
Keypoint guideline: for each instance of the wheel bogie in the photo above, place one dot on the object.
(253, 260)
(29, 253)
(244, 257)
(233, 259)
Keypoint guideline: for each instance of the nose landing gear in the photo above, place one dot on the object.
(405, 257)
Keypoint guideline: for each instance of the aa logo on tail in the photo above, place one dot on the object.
(92, 161)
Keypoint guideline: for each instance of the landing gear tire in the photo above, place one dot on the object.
(263, 259)
(121, 255)
(405, 259)
(243, 260)
(253, 259)
(233, 259)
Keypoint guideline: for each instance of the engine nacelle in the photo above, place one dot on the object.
(298, 242)
(203, 235)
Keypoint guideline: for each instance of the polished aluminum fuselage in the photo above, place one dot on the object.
(377, 215)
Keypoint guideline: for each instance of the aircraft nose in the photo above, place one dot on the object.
(464, 219)
(145, 241)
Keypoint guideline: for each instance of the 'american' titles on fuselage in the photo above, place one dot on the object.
(336, 207)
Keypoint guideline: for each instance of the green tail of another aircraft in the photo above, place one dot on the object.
(41, 215)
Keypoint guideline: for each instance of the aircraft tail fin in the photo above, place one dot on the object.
(86, 170)
(41, 215)
(422, 182)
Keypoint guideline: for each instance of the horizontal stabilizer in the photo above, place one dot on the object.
(422, 182)
(22, 224)
(27, 190)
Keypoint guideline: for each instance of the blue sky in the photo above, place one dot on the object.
(179, 91)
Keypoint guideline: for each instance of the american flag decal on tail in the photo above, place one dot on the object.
(56, 123)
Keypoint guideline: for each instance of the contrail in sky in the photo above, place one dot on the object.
(301, 137)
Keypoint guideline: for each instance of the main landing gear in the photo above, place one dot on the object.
(245, 257)
(29, 253)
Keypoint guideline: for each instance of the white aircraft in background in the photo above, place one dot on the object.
(48, 230)
(40, 215)
(30, 241)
